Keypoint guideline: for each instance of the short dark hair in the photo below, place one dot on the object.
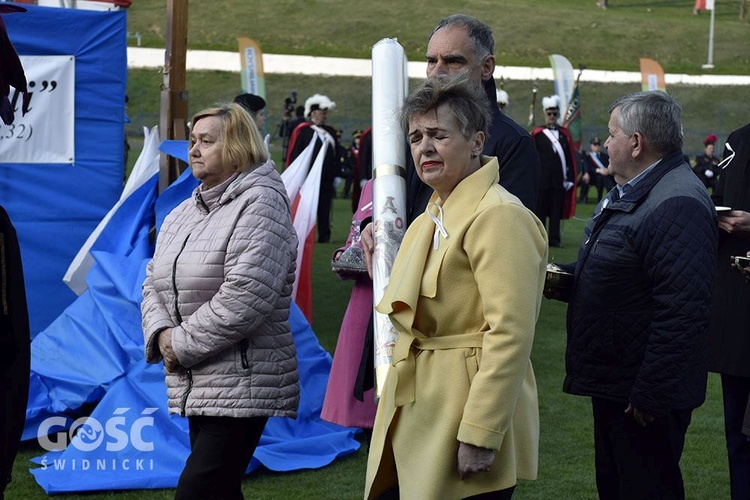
(251, 102)
(468, 103)
(479, 32)
(655, 115)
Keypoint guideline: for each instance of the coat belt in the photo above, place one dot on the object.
(404, 361)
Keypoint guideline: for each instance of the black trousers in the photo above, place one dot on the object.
(550, 203)
(221, 449)
(634, 462)
(585, 186)
(325, 202)
(736, 391)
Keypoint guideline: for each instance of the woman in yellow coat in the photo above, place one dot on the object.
(458, 415)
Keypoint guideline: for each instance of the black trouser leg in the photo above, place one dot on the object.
(221, 450)
(325, 201)
(736, 391)
(634, 462)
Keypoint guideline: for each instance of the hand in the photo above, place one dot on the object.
(367, 242)
(740, 265)
(165, 347)
(641, 417)
(336, 254)
(708, 174)
(601, 171)
(473, 459)
(735, 222)
(568, 185)
(585, 178)
(556, 293)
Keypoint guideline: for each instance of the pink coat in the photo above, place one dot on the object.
(340, 405)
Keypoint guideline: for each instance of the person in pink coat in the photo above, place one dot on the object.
(341, 406)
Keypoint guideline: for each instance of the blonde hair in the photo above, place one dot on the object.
(243, 145)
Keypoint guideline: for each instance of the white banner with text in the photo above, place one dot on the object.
(44, 127)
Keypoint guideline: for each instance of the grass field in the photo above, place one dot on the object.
(614, 39)
(527, 32)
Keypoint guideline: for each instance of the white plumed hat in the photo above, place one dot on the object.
(318, 101)
(502, 97)
(552, 101)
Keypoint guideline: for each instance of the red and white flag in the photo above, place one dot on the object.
(303, 189)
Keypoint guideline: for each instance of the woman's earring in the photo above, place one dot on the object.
(473, 155)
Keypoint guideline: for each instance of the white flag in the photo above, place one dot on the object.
(562, 71)
(145, 167)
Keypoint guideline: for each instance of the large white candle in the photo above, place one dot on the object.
(389, 86)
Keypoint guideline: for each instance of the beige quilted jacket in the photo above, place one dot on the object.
(222, 277)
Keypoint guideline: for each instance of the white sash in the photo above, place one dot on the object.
(726, 161)
(324, 135)
(596, 159)
(559, 150)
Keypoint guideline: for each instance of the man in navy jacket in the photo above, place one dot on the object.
(638, 314)
(462, 43)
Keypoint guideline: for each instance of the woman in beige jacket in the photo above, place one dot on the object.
(216, 303)
(458, 414)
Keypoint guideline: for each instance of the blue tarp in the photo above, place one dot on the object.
(56, 206)
(94, 353)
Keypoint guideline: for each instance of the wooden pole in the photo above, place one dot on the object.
(174, 97)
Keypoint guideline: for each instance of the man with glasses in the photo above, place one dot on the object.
(556, 157)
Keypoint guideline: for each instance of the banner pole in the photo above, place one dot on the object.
(710, 63)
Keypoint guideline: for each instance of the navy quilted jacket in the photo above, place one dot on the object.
(638, 316)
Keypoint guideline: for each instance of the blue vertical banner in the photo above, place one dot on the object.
(55, 206)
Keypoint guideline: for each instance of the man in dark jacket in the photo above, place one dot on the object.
(15, 344)
(638, 315)
(730, 318)
(463, 43)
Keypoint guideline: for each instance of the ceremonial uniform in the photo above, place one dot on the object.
(591, 162)
(558, 169)
(301, 137)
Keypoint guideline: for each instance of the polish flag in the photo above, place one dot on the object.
(303, 189)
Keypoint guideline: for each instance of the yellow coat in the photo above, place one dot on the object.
(465, 314)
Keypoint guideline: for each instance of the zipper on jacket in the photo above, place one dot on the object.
(174, 280)
(203, 203)
(187, 393)
(179, 321)
(244, 346)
